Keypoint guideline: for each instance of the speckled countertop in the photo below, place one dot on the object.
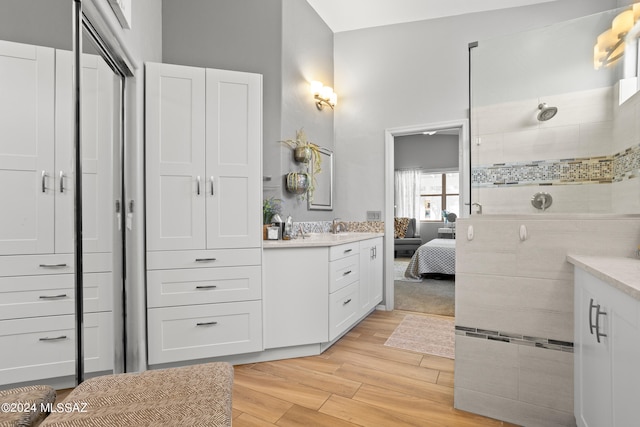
(319, 240)
(621, 273)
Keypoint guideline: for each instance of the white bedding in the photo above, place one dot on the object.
(435, 256)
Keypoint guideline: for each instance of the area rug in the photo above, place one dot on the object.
(431, 296)
(399, 267)
(424, 334)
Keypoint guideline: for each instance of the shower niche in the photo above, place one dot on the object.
(545, 120)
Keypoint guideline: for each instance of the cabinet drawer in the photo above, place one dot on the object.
(167, 288)
(44, 347)
(162, 260)
(37, 296)
(30, 265)
(343, 272)
(342, 251)
(343, 309)
(204, 331)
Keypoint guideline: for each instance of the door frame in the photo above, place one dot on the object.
(465, 186)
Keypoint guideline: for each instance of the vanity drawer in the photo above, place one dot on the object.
(167, 288)
(52, 295)
(343, 309)
(163, 260)
(44, 347)
(342, 251)
(204, 331)
(343, 272)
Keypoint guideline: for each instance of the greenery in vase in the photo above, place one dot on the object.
(270, 207)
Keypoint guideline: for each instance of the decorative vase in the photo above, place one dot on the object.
(302, 154)
(297, 182)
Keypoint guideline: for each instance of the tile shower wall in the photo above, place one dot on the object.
(584, 156)
(514, 310)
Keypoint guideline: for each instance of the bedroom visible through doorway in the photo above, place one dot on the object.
(432, 155)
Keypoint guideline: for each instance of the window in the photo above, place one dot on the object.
(438, 192)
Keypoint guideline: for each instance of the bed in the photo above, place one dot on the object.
(435, 256)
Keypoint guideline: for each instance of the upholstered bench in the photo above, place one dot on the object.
(25, 406)
(198, 395)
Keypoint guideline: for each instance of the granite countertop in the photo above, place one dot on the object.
(621, 273)
(320, 240)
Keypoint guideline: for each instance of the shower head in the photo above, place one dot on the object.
(546, 112)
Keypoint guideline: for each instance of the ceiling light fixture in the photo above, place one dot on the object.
(609, 47)
(323, 95)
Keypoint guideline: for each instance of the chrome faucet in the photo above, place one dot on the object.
(337, 227)
(479, 207)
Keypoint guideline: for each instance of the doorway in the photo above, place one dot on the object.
(462, 128)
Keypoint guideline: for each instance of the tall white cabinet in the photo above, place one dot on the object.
(36, 223)
(203, 183)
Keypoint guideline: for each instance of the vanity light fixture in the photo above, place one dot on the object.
(323, 95)
(609, 46)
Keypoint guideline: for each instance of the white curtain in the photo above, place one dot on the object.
(407, 193)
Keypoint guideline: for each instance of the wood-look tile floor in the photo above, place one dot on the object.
(356, 382)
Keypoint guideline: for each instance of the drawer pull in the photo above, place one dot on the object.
(206, 287)
(52, 296)
(61, 337)
(346, 273)
(346, 251)
(591, 307)
(205, 259)
(52, 265)
(347, 302)
(206, 323)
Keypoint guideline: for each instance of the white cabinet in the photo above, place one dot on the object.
(606, 354)
(204, 223)
(36, 225)
(315, 294)
(371, 274)
(27, 149)
(295, 301)
(203, 148)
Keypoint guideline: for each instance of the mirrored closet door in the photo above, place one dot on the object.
(38, 262)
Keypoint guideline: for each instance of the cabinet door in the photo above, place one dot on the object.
(592, 360)
(370, 274)
(26, 149)
(234, 159)
(175, 154)
(98, 134)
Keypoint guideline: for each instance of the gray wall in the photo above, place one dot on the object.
(428, 152)
(241, 35)
(307, 55)
(286, 42)
(37, 22)
(414, 73)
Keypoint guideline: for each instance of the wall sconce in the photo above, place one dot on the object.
(324, 95)
(609, 46)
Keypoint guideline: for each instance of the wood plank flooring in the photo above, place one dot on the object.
(356, 382)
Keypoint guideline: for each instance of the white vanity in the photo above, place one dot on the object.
(607, 340)
(317, 288)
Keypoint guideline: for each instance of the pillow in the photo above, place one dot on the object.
(400, 227)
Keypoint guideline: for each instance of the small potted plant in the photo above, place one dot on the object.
(270, 207)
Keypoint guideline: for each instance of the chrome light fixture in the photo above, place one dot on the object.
(323, 95)
(609, 47)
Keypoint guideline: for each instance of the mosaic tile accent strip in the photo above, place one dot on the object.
(352, 226)
(514, 338)
(590, 170)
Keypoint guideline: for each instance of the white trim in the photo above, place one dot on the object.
(389, 160)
